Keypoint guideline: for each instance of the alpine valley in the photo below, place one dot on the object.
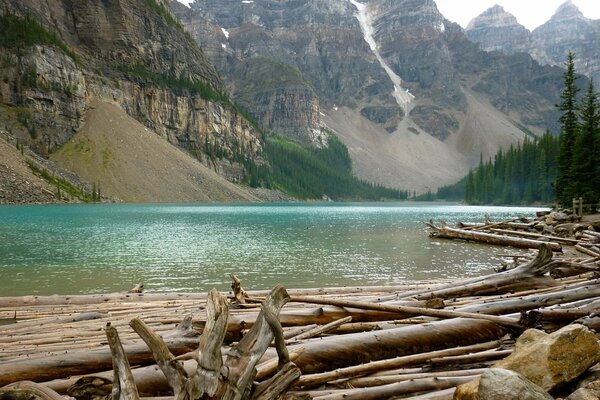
(152, 100)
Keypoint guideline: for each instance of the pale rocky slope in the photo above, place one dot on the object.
(130, 162)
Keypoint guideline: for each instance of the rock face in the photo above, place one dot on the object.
(502, 384)
(497, 30)
(128, 51)
(547, 360)
(567, 30)
(354, 60)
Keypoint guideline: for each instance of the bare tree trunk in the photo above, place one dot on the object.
(445, 232)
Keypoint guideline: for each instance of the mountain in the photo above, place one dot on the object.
(567, 30)
(60, 57)
(498, 30)
(414, 100)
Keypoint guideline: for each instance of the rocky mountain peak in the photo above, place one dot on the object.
(497, 30)
(493, 16)
(567, 10)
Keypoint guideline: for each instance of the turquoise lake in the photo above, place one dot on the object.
(69, 249)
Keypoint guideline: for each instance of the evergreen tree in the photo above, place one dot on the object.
(568, 134)
(586, 149)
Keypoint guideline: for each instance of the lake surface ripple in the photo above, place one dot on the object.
(68, 249)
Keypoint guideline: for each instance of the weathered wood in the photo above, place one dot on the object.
(445, 232)
(510, 322)
(320, 330)
(139, 288)
(514, 305)
(242, 359)
(446, 331)
(369, 381)
(123, 385)
(206, 379)
(83, 361)
(27, 390)
(548, 238)
(272, 388)
(173, 370)
(526, 275)
(396, 389)
(269, 367)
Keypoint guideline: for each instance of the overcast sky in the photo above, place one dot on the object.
(530, 13)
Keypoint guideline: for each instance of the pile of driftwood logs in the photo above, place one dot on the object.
(418, 341)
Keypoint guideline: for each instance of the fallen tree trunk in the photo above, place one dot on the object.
(445, 232)
(526, 276)
(357, 348)
(184, 339)
(381, 365)
(394, 389)
(27, 390)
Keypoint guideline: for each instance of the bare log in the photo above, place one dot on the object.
(206, 378)
(320, 330)
(369, 381)
(272, 388)
(445, 232)
(396, 389)
(527, 275)
(510, 322)
(123, 385)
(242, 359)
(27, 390)
(548, 238)
(139, 288)
(80, 362)
(375, 366)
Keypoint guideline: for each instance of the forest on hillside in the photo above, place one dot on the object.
(544, 170)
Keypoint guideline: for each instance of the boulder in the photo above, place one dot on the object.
(547, 360)
(569, 228)
(589, 391)
(502, 384)
(583, 394)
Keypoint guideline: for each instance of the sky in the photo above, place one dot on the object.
(530, 13)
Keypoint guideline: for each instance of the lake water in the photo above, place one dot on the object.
(68, 249)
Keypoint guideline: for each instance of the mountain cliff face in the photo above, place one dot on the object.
(498, 30)
(132, 52)
(567, 30)
(414, 100)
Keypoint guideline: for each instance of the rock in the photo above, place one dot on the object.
(502, 384)
(548, 360)
(569, 228)
(560, 216)
(568, 28)
(583, 394)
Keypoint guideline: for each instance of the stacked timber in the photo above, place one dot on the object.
(533, 324)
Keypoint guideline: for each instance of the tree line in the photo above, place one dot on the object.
(547, 169)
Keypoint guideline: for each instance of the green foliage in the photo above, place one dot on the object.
(521, 175)
(174, 82)
(310, 173)
(17, 33)
(585, 166)
(161, 10)
(456, 192)
(62, 186)
(568, 133)
(579, 159)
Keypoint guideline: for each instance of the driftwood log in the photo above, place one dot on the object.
(446, 232)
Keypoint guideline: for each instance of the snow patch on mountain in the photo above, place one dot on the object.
(403, 96)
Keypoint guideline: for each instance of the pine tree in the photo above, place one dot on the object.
(586, 149)
(568, 134)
